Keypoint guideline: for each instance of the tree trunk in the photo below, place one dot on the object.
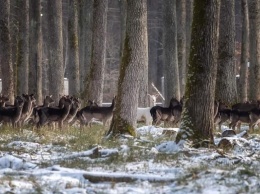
(171, 70)
(5, 47)
(73, 64)
(226, 89)
(85, 36)
(243, 79)
(189, 16)
(23, 47)
(143, 90)
(254, 69)
(124, 119)
(181, 27)
(197, 117)
(55, 47)
(96, 74)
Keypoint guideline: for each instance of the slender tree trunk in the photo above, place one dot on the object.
(143, 90)
(197, 116)
(254, 69)
(5, 47)
(23, 47)
(181, 27)
(124, 119)
(171, 69)
(55, 47)
(73, 65)
(226, 88)
(96, 75)
(243, 79)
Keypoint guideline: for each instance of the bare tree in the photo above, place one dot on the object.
(197, 117)
(254, 69)
(55, 47)
(243, 79)
(124, 119)
(171, 69)
(23, 47)
(181, 27)
(226, 88)
(95, 83)
(73, 63)
(5, 47)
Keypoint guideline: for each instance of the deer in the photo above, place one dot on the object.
(3, 100)
(143, 114)
(12, 114)
(48, 115)
(221, 113)
(159, 113)
(241, 113)
(29, 103)
(46, 103)
(73, 110)
(103, 114)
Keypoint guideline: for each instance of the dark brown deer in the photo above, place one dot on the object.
(12, 114)
(240, 113)
(29, 103)
(48, 115)
(46, 103)
(159, 113)
(73, 110)
(3, 100)
(104, 114)
(254, 116)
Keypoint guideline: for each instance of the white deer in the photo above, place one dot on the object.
(143, 114)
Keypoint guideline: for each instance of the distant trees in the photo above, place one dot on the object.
(197, 117)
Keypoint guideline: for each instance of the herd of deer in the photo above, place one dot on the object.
(68, 112)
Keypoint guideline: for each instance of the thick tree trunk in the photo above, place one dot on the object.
(226, 89)
(197, 117)
(171, 69)
(124, 119)
(243, 79)
(55, 47)
(189, 17)
(5, 47)
(254, 69)
(23, 47)
(85, 36)
(96, 74)
(73, 63)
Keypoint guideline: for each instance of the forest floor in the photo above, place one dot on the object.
(74, 161)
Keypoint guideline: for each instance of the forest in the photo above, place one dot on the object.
(129, 96)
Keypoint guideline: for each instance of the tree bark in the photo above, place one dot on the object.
(254, 69)
(23, 47)
(197, 117)
(243, 79)
(226, 89)
(181, 27)
(124, 119)
(95, 81)
(55, 47)
(5, 47)
(171, 69)
(73, 64)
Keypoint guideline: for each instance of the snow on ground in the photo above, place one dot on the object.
(161, 167)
